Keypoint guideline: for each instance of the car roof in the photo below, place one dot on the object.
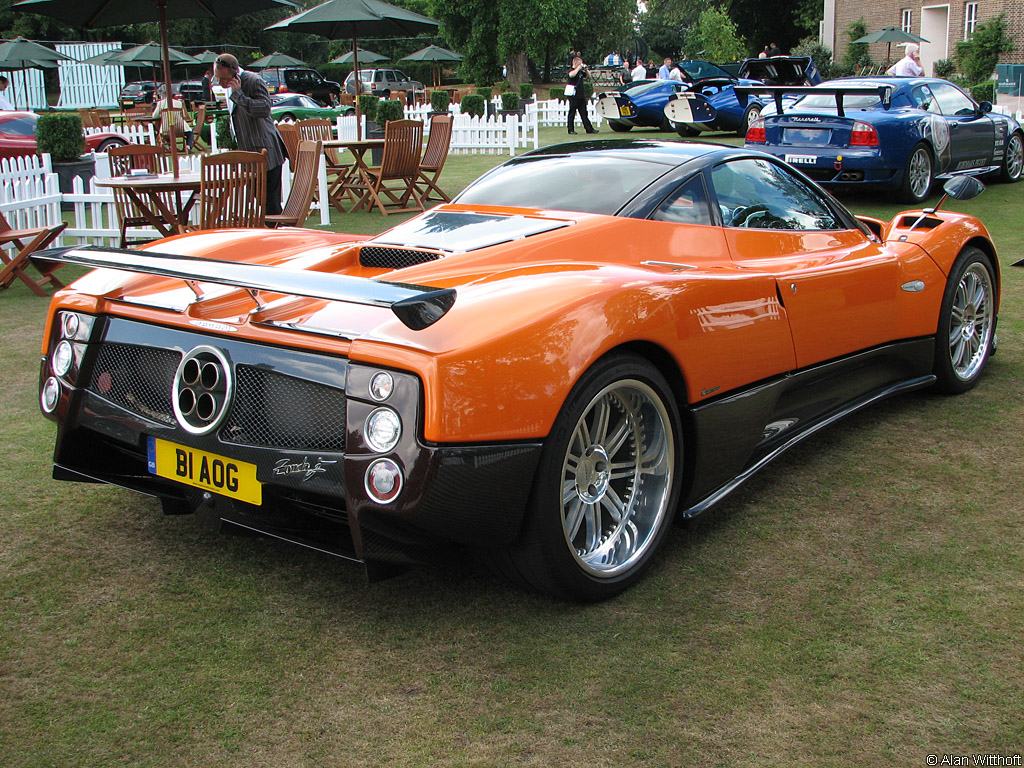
(669, 153)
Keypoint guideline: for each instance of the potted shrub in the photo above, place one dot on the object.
(557, 93)
(439, 101)
(224, 138)
(389, 109)
(510, 103)
(526, 93)
(59, 134)
(368, 106)
(474, 104)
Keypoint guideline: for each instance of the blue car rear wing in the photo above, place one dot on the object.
(883, 92)
(416, 306)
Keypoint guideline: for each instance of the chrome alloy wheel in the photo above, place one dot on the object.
(971, 320)
(920, 170)
(1014, 157)
(617, 478)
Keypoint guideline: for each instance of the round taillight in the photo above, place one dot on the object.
(62, 358)
(381, 386)
(70, 325)
(383, 481)
(383, 430)
(50, 395)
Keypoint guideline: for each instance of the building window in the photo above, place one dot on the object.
(907, 22)
(970, 19)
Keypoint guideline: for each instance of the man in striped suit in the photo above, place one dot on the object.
(251, 124)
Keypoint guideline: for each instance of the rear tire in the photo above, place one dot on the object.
(967, 322)
(753, 113)
(620, 127)
(606, 487)
(110, 143)
(917, 176)
(686, 131)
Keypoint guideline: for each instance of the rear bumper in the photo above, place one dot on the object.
(839, 167)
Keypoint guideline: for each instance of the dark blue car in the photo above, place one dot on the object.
(642, 104)
(891, 132)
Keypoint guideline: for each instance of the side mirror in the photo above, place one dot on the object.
(963, 187)
(985, 107)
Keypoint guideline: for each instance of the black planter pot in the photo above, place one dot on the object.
(66, 173)
(374, 131)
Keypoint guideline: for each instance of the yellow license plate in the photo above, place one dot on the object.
(208, 471)
(624, 111)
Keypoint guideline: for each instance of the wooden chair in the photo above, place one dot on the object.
(26, 242)
(434, 155)
(322, 130)
(305, 162)
(395, 179)
(122, 160)
(233, 190)
(198, 143)
(291, 137)
(175, 116)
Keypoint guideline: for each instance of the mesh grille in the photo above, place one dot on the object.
(138, 379)
(376, 257)
(274, 410)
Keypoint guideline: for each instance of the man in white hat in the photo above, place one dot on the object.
(909, 65)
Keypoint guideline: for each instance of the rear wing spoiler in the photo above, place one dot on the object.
(416, 306)
(883, 92)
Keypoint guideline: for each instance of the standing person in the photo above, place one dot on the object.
(665, 73)
(652, 71)
(774, 50)
(5, 103)
(578, 97)
(251, 124)
(639, 71)
(909, 65)
(208, 87)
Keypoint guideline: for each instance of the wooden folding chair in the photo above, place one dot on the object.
(395, 179)
(198, 142)
(291, 137)
(305, 162)
(233, 190)
(434, 155)
(26, 242)
(322, 130)
(122, 160)
(174, 116)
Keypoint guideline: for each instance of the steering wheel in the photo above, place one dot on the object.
(741, 215)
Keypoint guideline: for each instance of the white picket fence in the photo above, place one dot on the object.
(135, 134)
(29, 192)
(85, 85)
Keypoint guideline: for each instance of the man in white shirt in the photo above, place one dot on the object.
(5, 103)
(639, 71)
(909, 65)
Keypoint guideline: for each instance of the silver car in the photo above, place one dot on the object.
(381, 82)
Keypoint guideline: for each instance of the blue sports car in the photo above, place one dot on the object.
(711, 103)
(899, 133)
(706, 88)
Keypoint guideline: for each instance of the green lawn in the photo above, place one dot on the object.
(859, 603)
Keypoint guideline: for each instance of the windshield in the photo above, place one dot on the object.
(698, 70)
(586, 184)
(23, 125)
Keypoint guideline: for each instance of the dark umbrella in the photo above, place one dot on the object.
(206, 57)
(365, 56)
(276, 59)
(343, 19)
(117, 13)
(890, 35)
(25, 54)
(434, 54)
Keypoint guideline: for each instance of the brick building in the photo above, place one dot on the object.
(942, 24)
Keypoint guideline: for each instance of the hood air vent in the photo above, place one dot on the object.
(376, 257)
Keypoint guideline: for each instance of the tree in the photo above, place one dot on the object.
(977, 57)
(714, 37)
(856, 53)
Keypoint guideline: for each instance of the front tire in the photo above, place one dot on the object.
(967, 322)
(917, 176)
(620, 127)
(606, 488)
(1013, 159)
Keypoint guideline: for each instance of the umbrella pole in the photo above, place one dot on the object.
(162, 8)
(356, 82)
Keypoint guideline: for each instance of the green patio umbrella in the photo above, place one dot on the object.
(275, 60)
(20, 54)
(206, 57)
(434, 54)
(147, 53)
(352, 19)
(365, 56)
(890, 35)
(94, 14)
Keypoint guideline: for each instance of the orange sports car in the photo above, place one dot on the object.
(587, 342)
